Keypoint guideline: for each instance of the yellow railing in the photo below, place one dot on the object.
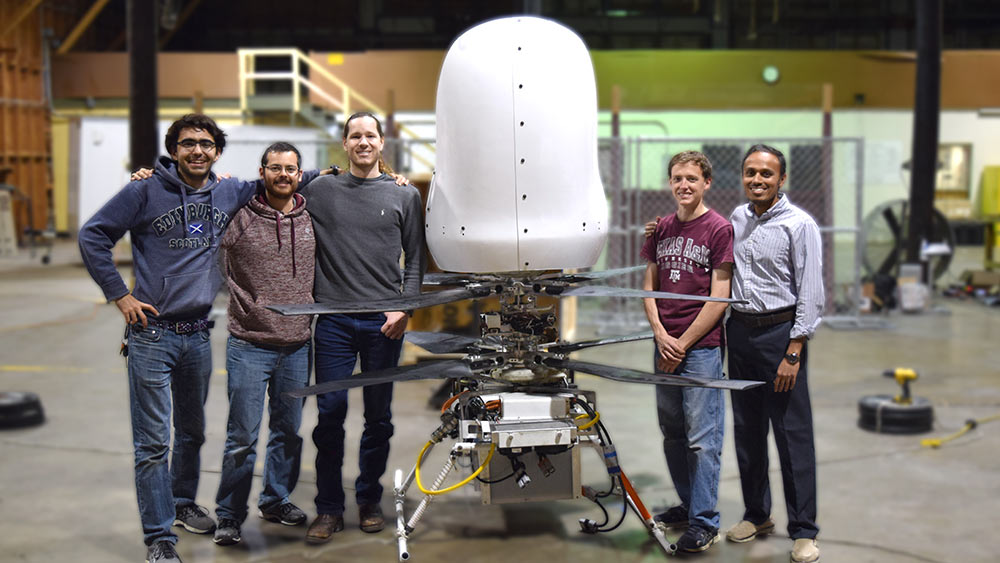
(349, 98)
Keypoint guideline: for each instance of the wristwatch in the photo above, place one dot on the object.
(792, 358)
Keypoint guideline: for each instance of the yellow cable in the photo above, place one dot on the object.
(476, 473)
(593, 421)
(937, 442)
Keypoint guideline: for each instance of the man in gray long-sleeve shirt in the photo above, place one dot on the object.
(778, 257)
(363, 221)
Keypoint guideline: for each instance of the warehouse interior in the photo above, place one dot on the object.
(840, 85)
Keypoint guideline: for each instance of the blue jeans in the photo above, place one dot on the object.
(340, 340)
(257, 371)
(692, 420)
(167, 372)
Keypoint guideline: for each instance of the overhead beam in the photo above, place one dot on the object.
(26, 9)
(81, 26)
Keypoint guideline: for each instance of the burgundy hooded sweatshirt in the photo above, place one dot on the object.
(268, 258)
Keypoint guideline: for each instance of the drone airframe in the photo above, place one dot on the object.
(516, 194)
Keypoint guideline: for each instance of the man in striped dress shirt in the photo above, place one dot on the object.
(778, 258)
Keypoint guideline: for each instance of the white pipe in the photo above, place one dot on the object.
(400, 493)
(657, 532)
(403, 553)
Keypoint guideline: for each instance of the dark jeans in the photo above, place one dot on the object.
(754, 353)
(340, 340)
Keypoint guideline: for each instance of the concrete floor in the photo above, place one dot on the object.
(66, 487)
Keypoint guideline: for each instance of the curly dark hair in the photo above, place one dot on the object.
(194, 121)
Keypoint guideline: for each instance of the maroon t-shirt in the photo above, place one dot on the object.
(686, 254)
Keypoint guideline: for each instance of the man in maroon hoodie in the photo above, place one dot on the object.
(267, 256)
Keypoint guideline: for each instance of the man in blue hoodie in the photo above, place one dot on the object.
(176, 219)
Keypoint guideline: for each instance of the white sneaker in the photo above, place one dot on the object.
(805, 551)
(747, 531)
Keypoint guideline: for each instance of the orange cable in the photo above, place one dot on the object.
(451, 400)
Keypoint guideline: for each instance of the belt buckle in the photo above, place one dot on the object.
(183, 327)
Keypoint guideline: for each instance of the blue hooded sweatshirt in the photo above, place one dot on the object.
(175, 231)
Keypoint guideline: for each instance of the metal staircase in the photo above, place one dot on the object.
(267, 94)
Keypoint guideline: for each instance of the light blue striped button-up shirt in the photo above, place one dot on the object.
(779, 263)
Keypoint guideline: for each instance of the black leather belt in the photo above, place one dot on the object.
(182, 327)
(763, 320)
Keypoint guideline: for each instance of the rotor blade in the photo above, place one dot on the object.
(894, 226)
(584, 277)
(440, 342)
(897, 240)
(634, 376)
(444, 278)
(381, 306)
(434, 369)
(889, 263)
(605, 291)
(574, 346)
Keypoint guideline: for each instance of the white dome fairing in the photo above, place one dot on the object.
(516, 185)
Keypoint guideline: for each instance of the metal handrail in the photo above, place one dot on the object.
(248, 73)
(347, 90)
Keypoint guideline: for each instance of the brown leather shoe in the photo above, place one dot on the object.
(371, 518)
(324, 526)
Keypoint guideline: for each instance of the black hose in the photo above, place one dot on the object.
(620, 520)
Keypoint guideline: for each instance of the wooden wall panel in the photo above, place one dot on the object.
(24, 116)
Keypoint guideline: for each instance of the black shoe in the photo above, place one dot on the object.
(285, 513)
(228, 532)
(162, 550)
(195, 519)
(697, 539)
(674, 517)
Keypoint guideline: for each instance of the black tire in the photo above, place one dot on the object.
(18, 410)
(879, 413)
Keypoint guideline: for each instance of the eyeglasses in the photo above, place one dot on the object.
(190, 144)
(277, 168)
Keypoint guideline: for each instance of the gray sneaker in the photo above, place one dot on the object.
(228, 532)
(162, 550)
(195, 519)
(285, 513)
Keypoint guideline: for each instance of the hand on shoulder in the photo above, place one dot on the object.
(141, 174)
(399, 179)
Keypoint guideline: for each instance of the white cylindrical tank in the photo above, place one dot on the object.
(516, 185)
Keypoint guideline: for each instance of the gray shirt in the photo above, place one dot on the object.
(779, 263)
(362, 226)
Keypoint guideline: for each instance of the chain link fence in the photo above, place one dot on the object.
(825, 178)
